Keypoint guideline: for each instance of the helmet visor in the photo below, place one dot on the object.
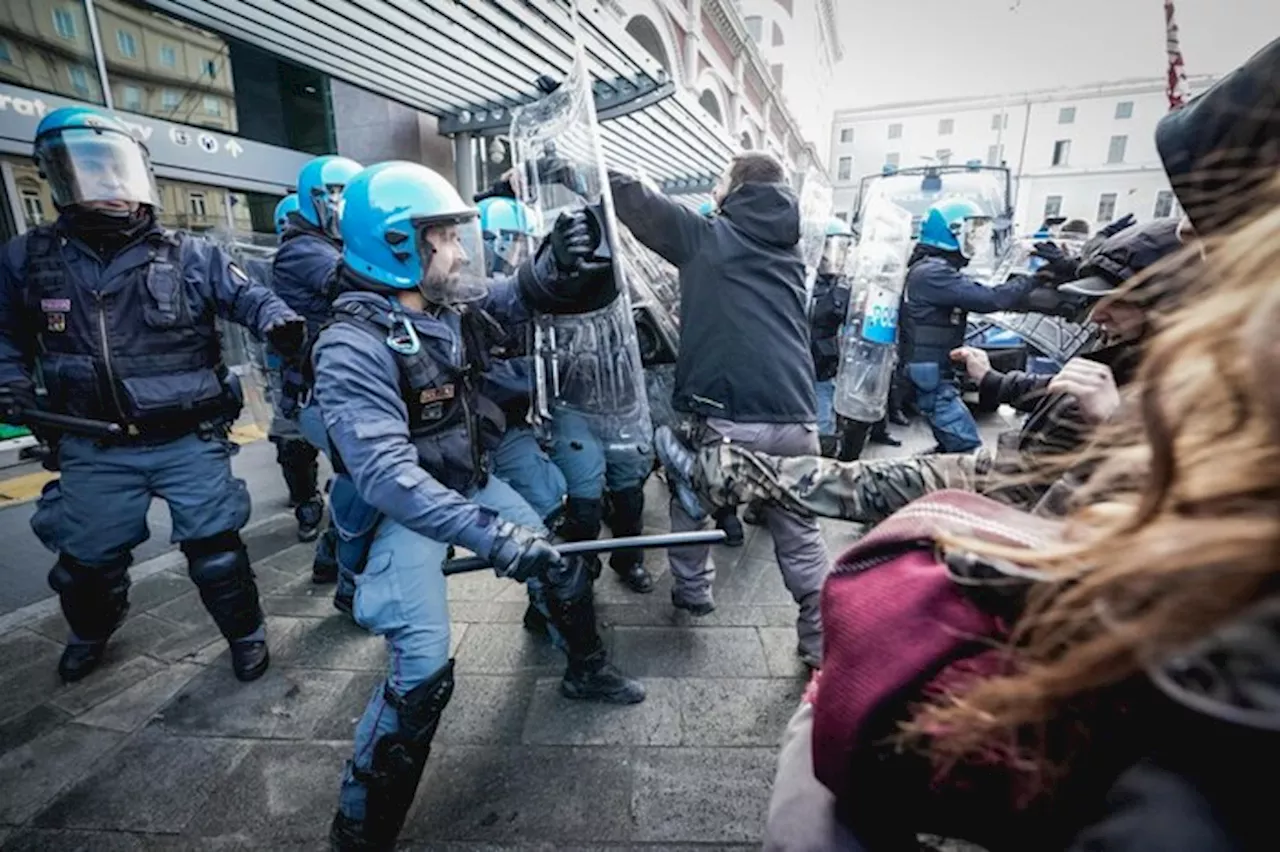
(328, 206)
(453, 264)
(835, 254)
(84, 165)
(510, 249)
(977, 237)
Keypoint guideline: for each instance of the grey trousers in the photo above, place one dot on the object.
(797, 541)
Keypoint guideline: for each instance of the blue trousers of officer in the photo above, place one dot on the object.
(826, 391)
(521, 462)
(588, 465)
(107, 490)
(402, 595)
(938, 399)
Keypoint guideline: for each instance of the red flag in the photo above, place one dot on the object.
(1176, 85)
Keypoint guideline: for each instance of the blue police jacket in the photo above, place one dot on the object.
(133, 340)
(379, 421)
(305, 273)
(938, 300)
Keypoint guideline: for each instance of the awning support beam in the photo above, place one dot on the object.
(613, 100)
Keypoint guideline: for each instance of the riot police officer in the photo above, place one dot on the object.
(396, 382)
(828, 309)
(304, 274)
(120, 314)
(938, 300)
(287, 205)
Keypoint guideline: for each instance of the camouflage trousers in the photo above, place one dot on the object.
(865, 492)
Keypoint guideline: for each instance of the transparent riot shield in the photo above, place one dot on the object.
(868, 344)
(816, 201)
(242, 353)
(587, 366)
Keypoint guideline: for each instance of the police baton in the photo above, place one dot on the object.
(64, 423)
(600, 545)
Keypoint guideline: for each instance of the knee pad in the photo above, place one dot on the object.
(95, 599)
(582, 518)
(399, 756)
(219, 566)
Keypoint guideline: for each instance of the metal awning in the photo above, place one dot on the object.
(469, 62)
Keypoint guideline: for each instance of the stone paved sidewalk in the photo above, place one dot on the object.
(163, 749)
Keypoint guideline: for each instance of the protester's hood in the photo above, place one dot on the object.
(1232, 675)
(768, 212)
(1225, 143)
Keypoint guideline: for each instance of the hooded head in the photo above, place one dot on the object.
(754, 194)
(1225, 144)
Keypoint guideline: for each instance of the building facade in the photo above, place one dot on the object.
(753, 86)
(1085, 152)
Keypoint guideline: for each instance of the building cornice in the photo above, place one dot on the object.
(1116, 88)
(827, 14)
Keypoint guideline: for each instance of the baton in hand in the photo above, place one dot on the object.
(601, 545)
(65, 423)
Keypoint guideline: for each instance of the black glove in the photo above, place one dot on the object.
(1058, 265)
(1045, 299)
(288, 338)
(573, 239)
(519, 552)
(16, 398)
(1117, 226)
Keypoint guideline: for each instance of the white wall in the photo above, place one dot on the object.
(1027, 145)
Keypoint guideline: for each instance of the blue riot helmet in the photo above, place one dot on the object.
(707, 208)
(406, 227)
(320, 185)
(287, 205)
(507, 227)
(957, 225)
(89, 157)
(835, 248)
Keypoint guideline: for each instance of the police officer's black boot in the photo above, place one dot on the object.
(853, 439)
(880, 435)
(324, 568)
(827, 445)
(219, 565)
(95, 600)
(310, 515)
(392, 778)
(626, 518)
(589, 676)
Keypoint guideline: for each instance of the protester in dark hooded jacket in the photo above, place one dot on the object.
(744, 370)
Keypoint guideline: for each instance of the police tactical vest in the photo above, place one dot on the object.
(931, 331)
(141, 349)
(452, 425)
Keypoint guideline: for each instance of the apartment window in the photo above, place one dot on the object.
(892, 159)
(846, 135)
(844, 169)
(1000, 120)
(946, 126)
(1106, 207)
(776, 70)
(1061, 152)
(131, 98)
(210, 68)
(1067, 115)
(127, 44)
(1124, 109)
(170, 99)
(777, 36)
(895, 131)
(1052, 206)
(995, 155)
(32, 207)
(842, 216)
(79, 79)
(212, 105)
(64, 23)
(168, 56)
(944, 156)
(5, 56)
(1164, 204)
(195, 203)
(755, 27)
(1115, 152)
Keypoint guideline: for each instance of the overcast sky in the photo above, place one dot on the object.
(924, 49)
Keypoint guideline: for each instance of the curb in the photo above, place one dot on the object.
(168, 560)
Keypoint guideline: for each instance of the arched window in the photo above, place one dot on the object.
(778, 38)
(746, 141)
(709, 102)
(643, 31)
